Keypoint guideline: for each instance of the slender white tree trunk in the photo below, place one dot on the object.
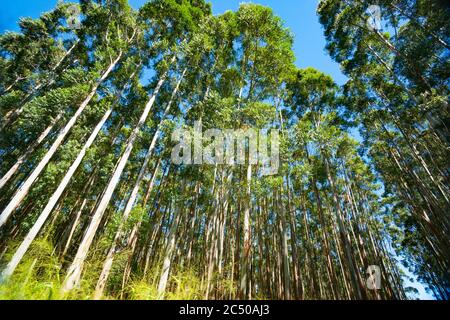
(132, 199)
(68, 52)
(53, 200)
(284, 250)
(28, 152)
(11, 85)
(74, 272)
(142, 171)
(11, 115)
(73, 228)
(25, 187)
(100, 287)
(247, 243)
(168, 257)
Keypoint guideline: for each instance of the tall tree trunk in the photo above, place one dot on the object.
(132, 199)
(162, 284)
(13, 114)
(25, 187)
(31, 148)
(245, 257)
(74, 272)
(53, 199)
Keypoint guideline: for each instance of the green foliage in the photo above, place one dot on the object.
(336, 205)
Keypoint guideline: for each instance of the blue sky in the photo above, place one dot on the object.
(299, 15)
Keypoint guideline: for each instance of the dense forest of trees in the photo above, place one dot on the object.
(92, 207)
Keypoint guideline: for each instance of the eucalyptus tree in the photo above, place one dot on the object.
(260, 33)
(113, 52)
(34, 57)
(89, 168)
(396, 72)
(55, 48)
(134, 193)
(64, 182)
(320, 130)
(170, 33)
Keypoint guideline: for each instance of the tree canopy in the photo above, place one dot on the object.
(93, 207)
